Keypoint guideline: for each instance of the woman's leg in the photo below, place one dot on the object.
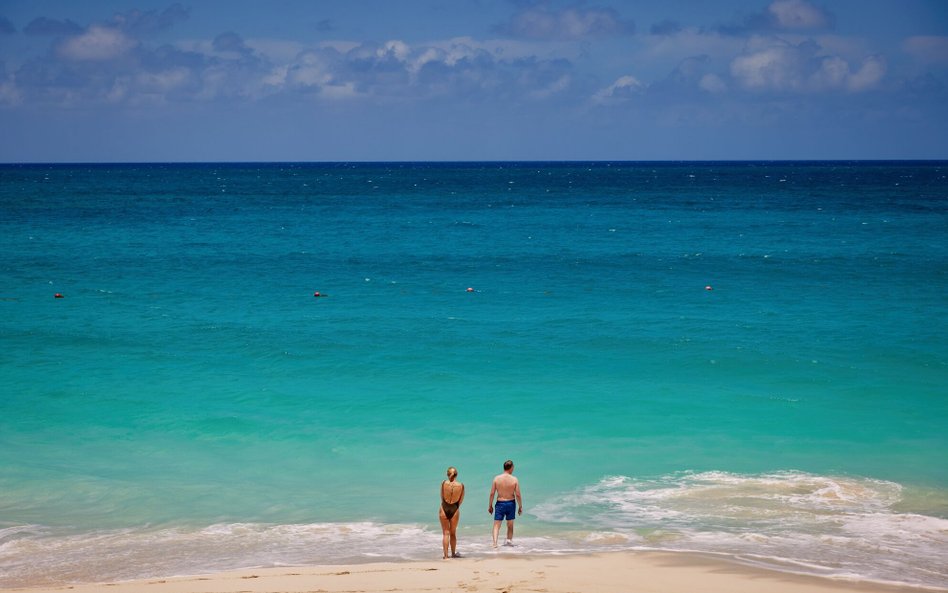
(445, 531)
(454, 533)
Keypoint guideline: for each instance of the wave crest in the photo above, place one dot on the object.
(829, 525)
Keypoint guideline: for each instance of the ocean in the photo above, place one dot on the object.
(745, 359)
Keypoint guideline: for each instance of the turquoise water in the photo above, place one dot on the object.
(190, 406)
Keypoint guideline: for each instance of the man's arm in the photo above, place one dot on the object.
(519, 498)
(490, 501)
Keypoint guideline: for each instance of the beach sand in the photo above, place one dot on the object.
(623, 572)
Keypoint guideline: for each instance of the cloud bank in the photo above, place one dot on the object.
(112, 62)
(579, 62)
(775, 65)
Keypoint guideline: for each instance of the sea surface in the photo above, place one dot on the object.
(738, 358)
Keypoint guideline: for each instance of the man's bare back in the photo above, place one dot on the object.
(507, 486)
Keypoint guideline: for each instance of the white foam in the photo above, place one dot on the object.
(839, 525)
(42, 556)
(843, 527)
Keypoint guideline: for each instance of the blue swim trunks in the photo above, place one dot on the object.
(505, 509)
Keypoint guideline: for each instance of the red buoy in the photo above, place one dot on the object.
(58, 295)
(470, 289)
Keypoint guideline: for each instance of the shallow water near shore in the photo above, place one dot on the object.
(737, 358)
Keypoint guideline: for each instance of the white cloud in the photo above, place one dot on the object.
(277, 76)
(576, 24)
(771, 68)
(557, 86)
(712, 83)
(773, 65)
(797, 15)
(461, 50)
(9, 93)
(213, 83)
(427, 56)
(848, 48)
(396, 70)
(930, 49)
(396, 49)
(310, 70)
(98, 43)
(448, 54)
(691, 42)
(338, 92)
(164, 81)
(539, 65)
(119, 90)
(784, 16)
(458, 48)
(832, 73)
(623, 89)
(868, 76)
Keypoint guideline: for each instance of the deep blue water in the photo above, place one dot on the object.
(188, 401)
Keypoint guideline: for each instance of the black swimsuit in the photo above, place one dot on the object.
(449, 508)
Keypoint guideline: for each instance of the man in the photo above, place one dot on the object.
(507, 488)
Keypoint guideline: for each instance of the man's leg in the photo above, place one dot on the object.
(510, 525)
(496, 531)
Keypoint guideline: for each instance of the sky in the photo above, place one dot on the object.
(463, 80)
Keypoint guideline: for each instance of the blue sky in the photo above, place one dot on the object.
(338, 80)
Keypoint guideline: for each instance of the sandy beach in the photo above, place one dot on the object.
(602, 573)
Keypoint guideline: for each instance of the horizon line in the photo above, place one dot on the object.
(474, 161)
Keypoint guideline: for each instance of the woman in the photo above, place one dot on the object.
(452, 495)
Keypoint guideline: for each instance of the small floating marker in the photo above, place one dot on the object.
(58, 295)
(709, 287)
(469, 289)
(318, 294)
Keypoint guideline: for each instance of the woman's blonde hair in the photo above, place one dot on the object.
(452, 472)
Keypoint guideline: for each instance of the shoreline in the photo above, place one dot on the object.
(607, 572)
